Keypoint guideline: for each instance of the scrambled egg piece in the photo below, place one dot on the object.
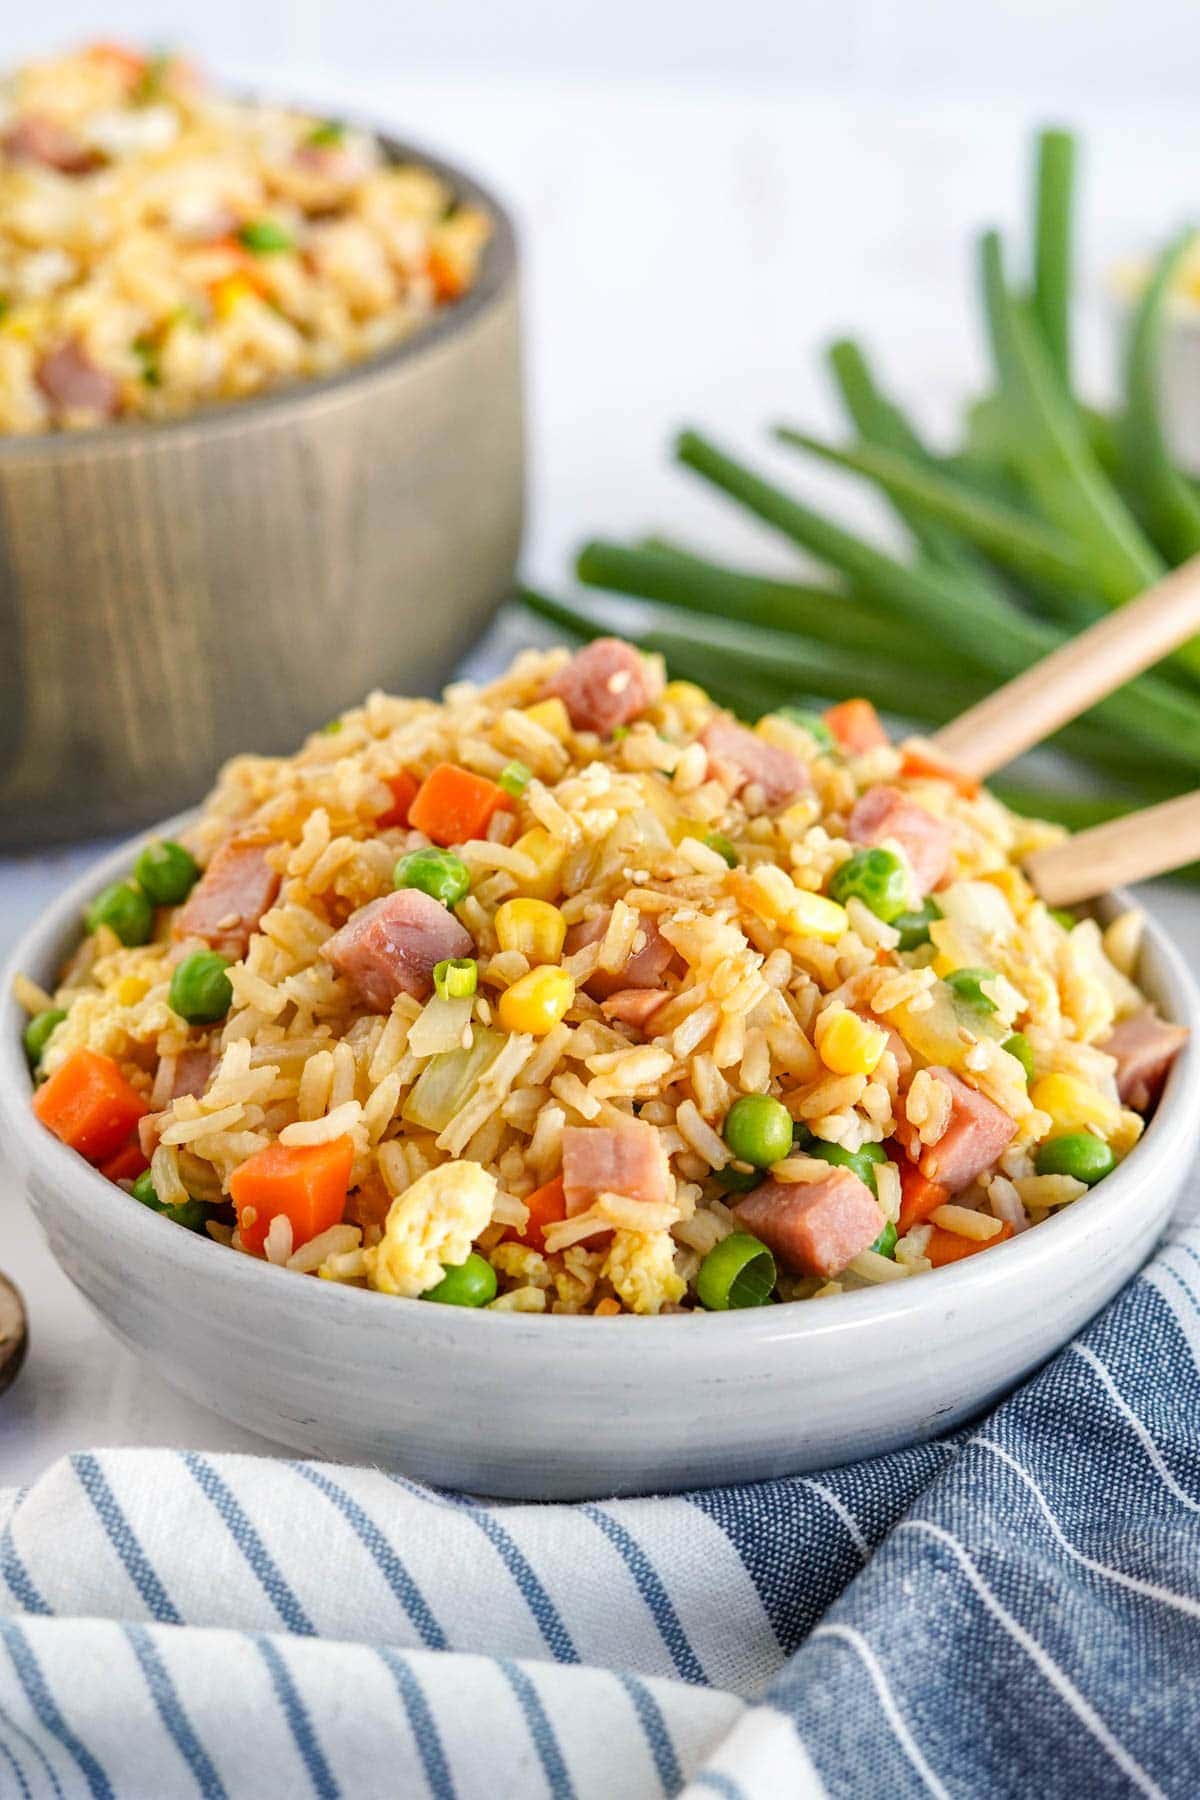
(432, 1225)
(641, 1267)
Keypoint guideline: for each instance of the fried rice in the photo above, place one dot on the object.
(648, 939)
(164, 248)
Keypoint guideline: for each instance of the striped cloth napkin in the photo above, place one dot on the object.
(1012, 1611)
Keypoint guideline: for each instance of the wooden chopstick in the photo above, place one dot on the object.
(1073, 677)
(1150, 842)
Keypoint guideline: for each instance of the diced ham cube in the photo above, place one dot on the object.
(37, 139)
(739, 758)
(1145, 1046)
(814, 1228)
(884, 812)
(633, 1006)
(226, 904)
(393, 945)
(977, 1133)
(622, 1159)
(72, 383)
(193, 1068)
(604, 685)
(644, 968)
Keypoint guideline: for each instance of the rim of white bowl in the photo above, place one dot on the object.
(1175, 1121)
(497, 273)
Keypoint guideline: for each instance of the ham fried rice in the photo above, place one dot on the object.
(575, 994)
(163, 248)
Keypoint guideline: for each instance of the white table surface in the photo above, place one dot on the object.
(687, 253)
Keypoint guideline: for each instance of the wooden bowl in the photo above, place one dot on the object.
(172, 593)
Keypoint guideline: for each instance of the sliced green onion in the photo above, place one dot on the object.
(514, 778)
(331, 727)
(812, 722)
(914, 926)
(328, 132)
(716, 840)
(967, 985)
(1062, 917)
(265, 237)
(456, 978)
(737, 1273)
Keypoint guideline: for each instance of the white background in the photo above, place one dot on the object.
(706, 194)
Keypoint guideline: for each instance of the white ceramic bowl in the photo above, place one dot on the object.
(562, 1407)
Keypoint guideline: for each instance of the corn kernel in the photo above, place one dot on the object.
(847, 1044)
(812, 915)
(1013, 885)
(684, 693)
(537, 1001)
(549, 856)
(1074, 1106)
(533, 927)
(130, 989)
(228, 293)
(553, 717)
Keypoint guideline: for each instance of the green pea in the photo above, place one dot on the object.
(143, 1189)
(1087, 1158)
(967, 985)
(330, 131)
(1018, 1045)
(759, 1130)
(1062, 917)
(914, 926)
(738, 1272)
(331, 727)
(876, 877)
(716, 840)
(862, 1161)
(438, 873)
(471, 1283)
(125, 910)
(812, 722)
(514, 778)
(166, 872)
(191, 1214)
(201, 991)
(38, 1031)
(885, 1243)
(736, 1181)
(265, 237)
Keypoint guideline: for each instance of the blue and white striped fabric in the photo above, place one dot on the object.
(1014, 1611)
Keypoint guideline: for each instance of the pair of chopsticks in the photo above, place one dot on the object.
(1064, 684)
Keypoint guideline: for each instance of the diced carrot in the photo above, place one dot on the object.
(449, 282)
(127, 1164)
(307, 1183)
(88, 1103)
(949, 1246)
(120, 57)
(918, 1196)
(404, 787)
(547, 1205)
(917, 761)
(453, 806)
(855, 725)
